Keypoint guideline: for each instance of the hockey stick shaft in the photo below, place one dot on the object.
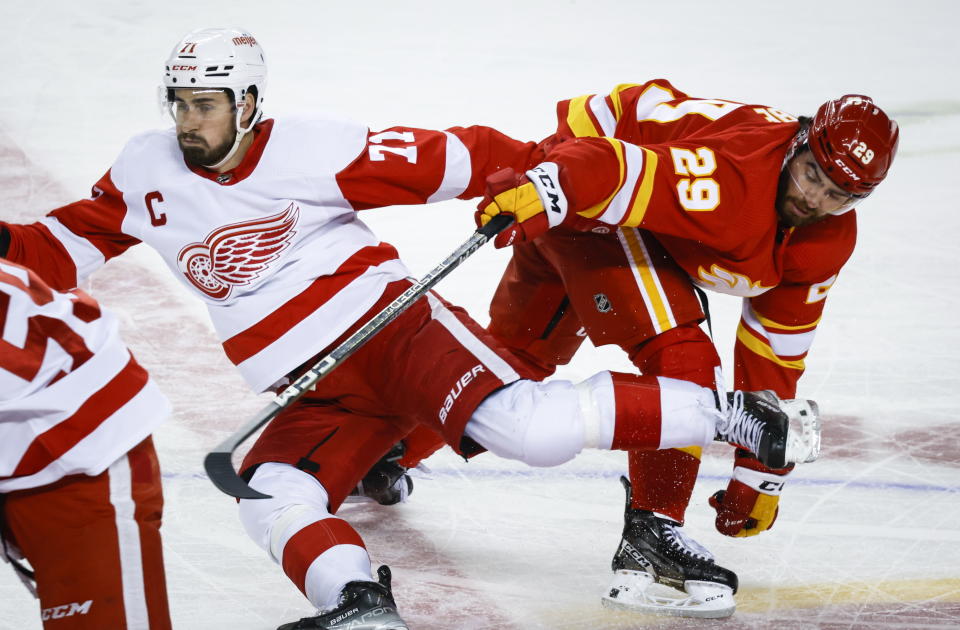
(218, 462)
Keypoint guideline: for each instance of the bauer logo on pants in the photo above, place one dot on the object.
(457, 389)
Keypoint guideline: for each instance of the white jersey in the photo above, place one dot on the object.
(72, 398)
(275, 247)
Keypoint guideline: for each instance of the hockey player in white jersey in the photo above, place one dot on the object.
(259, 217)
(80, 495)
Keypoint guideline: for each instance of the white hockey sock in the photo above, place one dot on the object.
(319, 552)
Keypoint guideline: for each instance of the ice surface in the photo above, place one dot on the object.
(869, 537)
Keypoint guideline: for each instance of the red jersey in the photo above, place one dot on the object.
(702, 175)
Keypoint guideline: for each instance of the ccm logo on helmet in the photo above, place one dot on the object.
(190, 68)
(246, 39)
(846, 169)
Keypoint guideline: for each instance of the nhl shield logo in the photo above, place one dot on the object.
(603, 303)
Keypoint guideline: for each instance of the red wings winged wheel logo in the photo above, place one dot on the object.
(236, 254)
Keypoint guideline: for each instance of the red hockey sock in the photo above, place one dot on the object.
(310, 542)
(663, 481)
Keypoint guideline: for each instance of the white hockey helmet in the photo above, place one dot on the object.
(220, 58)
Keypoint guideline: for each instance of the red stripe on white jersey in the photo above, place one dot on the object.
(53, 443)
(254, 339)
(400, 165)
(101, 216)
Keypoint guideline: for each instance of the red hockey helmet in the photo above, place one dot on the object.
(854, 142)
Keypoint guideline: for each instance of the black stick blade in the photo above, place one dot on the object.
(219, 468)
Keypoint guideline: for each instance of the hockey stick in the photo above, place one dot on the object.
(218, 462)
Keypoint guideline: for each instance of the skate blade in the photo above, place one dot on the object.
(636, 591)
(803, 440)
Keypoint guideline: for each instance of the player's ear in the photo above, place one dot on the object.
(250, 104)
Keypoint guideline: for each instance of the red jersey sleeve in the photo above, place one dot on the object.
(777, 327)
(651, 156)
(35, 247)
(73, 240)
(404, 165)
(693, 188)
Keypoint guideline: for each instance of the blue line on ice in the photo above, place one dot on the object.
(546, 475)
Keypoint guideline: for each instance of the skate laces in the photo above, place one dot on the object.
(740, 426)
(679, 540)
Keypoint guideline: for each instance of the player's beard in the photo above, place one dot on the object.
(201, 155)
(785, 217)
(780, 203)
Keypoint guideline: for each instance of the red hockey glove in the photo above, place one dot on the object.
(534, 199)
(749, 505)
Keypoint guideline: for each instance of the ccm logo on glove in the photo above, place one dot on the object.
(527, 198)
(545, 178)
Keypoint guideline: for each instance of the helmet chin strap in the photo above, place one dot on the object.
(241, 132)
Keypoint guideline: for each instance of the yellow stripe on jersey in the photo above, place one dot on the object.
(769, 323)
(696, 451)
(642, 199)
(578, 118)
(764, 350)
(615, 97)
(657, 304)
(593, 211)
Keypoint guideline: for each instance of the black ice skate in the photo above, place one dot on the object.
(387, 482)
(363, 606)
(778, 432)
(659, 569)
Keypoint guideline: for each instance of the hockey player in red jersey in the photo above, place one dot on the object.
(259, 218)
(80, 494)
(655, 193)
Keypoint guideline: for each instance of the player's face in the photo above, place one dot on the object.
(206, 125)
(807, 195)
